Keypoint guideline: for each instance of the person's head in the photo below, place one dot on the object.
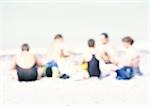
(127, 41)
(91, 43)
(58, 38)
(104, 38)
(25, 47)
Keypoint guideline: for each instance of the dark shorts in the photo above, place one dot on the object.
(49, 65)
(27, 74)
(125, 73)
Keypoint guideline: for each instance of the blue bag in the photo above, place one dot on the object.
(125, 73)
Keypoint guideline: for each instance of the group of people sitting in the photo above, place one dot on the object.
(98, 61)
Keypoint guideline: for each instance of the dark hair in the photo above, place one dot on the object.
(104, 34)
(25, 47)
(91, 42)
(128, 39)
(58, 36)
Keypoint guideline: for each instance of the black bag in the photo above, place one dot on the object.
(64, 76)
(48, 72)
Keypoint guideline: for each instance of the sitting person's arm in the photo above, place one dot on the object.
(132, 58)
(38, 62)
(47, 54)
(135, 61)
(105, 57)
(13, 63)
(66, 52)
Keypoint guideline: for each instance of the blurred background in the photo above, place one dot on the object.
(36, 22)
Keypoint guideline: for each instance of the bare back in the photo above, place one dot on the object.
(25, 60)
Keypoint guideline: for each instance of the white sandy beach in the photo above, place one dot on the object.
(108, 91)
(68, 92)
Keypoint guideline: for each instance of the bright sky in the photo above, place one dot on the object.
(37, 22)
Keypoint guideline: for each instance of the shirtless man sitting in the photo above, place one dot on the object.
(55, 55)
(130, 59)
(26, 65)
(108, 54)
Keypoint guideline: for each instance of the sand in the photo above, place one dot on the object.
(69, 92)
(48, 91)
